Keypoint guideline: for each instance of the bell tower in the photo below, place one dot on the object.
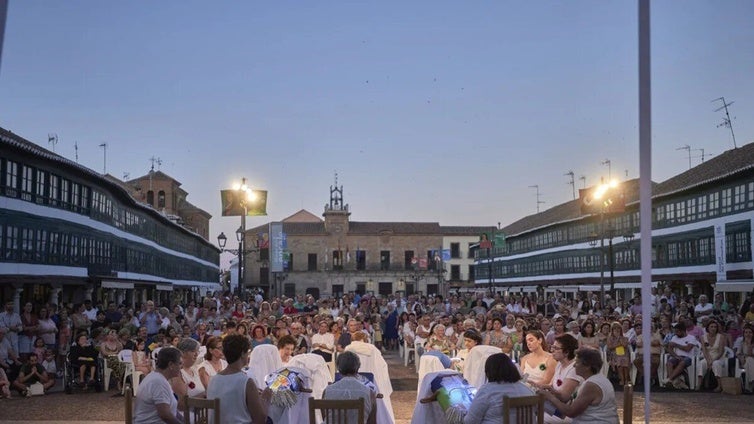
(336, 213)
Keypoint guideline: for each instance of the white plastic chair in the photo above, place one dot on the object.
(126, 356)
(429, 363)
(407, 351)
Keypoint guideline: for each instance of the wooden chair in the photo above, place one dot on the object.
(335, 411)
(200, 409)
(129, 394)
(529, 409)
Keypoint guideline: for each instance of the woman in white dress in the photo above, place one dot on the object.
(188, 382)
(538, 364)
(214, 361)
(241, 401)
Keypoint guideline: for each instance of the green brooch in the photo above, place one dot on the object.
(542, 367)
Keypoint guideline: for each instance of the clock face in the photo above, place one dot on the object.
(337, 228)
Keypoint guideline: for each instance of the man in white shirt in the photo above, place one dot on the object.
(681, 349)
(11, 321)
(703, 308)
(90, 311)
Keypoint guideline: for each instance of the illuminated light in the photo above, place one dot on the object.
(614, 183)
(251, 195)
(600, 191)
(244, 187)
(236, 186)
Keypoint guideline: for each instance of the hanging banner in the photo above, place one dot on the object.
(278, 244)
(720, 252)
(232, 203)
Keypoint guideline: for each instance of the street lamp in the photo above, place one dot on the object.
(246, 195)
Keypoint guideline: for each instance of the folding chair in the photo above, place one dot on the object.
(129, 394)
(529, 409)
(203, 411)
(336, 411)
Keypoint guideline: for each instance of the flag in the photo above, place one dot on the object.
(348, 255)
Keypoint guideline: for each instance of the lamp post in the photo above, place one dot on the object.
(608, 199)
(246, 195)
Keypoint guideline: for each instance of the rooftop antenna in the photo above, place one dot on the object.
(609, 170)
(687, 148)
(154, 160)
(702, 155)
(76, 148)
(104, 161)
(539, 202)
(583, 181)
(726, 120)
(626, 174)
(125, 176)
(52, 139)
(572, 183)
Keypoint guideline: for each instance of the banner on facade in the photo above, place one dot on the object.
(232, 203)
(720, 252)
(278, 244)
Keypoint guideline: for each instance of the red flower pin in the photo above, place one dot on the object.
(191, 385)
(559, 382)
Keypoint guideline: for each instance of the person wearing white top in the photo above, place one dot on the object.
(595, 402)
(323, 342)
(565, 381)
(155, 403)
(241, 401)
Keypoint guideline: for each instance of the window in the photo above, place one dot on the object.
(408, 260)
(337, 290)
(264, 276)
(384, 260)
(432, 289)
(27, 182)
(161, 199)
(11, 243)
(150, 197)
(726, 200)
(337, 260)
(312, 262)
(288, 261)
(739, 197)
(39, 194)
(455, 272)
(470, 254)
(714, 204)
(361, 288)
(702, 200)
(472, 275)
(54, 194)
(289, 289)
(65, 192)
(385, 289)
(455, 250)
(361, 260)
(431, 263)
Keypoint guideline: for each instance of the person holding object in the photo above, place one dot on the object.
(595, 402)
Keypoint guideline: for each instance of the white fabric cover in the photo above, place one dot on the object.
(318, 369)
(473, 368)
(429, 412)
(264, 360)
(373, 362)
(428, 364)
(298, 413)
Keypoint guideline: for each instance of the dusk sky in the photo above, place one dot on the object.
(439, 111)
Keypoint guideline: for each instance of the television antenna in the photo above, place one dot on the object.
(76, 149)
(687, 148)
(539, 202)
(583, 181)
(52, 139)
(104, 159)
(609, 166)
(726, 119)
(572, 183)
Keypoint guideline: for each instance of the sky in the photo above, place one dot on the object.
(429, 111)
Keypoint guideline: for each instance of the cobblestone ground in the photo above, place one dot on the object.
(666, 406)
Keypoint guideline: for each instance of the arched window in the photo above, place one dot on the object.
(161, 199)
(150, 197)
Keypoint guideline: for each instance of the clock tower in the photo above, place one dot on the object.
(336, 213)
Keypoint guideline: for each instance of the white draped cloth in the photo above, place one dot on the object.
(298, 413)
(429, 412)
(264, 359)
(473, 367)
(373, 362)
(428, 364)
(318, 369)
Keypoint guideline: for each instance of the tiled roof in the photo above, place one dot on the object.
(294, 228)
(564, 212)
(719, 167)
(414, 228)
(303, 216)
(465, 230)
(17, 142)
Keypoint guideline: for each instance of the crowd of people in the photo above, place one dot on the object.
(531, 330)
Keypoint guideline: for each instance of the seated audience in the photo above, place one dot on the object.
(155, 401)
(503, 379)
(351, 386)
(595, 401)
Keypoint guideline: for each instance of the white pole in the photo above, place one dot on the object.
(645, 192)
